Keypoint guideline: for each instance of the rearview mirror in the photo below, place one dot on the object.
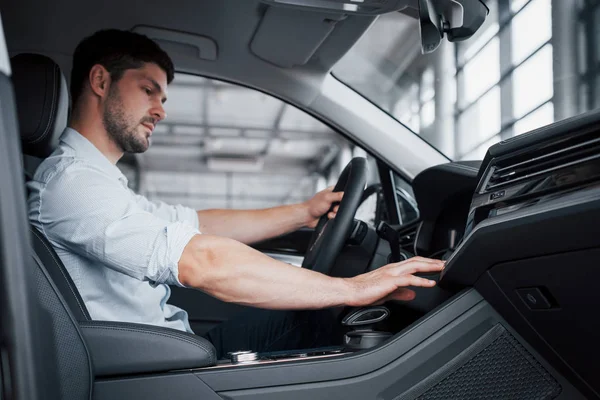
(458, 19)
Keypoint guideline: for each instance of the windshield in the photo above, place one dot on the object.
(531, 63)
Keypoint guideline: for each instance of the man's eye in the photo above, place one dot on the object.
(148, 91)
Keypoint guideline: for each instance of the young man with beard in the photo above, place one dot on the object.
(122, 250)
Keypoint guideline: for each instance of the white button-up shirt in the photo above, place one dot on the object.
(121, 250)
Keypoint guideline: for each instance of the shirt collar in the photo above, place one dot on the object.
(86, 149)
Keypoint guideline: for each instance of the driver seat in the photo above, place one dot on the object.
(85, 349)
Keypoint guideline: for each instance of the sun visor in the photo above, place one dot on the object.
(173, 42)
(288, 37)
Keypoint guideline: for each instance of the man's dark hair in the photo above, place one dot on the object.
(117, 51)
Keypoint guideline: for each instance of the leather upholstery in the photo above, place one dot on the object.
(125, 348)
(122, 347)
(42, 102)
(59, 274)
(115, 347)
(73, 373)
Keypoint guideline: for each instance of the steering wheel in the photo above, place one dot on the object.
(331, 234)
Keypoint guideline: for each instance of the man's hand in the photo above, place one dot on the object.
(320, 203)
(389, 282)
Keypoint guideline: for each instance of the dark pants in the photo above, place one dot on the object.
(268, 330)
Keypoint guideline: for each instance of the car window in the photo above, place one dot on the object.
(531, 63)
(367, 211)
(408, 211)
(228, 146)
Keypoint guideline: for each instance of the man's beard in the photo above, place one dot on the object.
(120, 128)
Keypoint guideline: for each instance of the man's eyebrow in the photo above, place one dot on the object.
(157, 88)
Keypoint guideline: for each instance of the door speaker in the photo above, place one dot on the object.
(496, 366)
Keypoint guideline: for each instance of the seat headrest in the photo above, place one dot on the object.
(42, 102)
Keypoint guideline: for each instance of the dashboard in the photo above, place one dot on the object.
(443, 193)
(523, 229)
(525, 173)
(529, 191)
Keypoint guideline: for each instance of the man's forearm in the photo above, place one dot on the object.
(250, 226)
(234, 272)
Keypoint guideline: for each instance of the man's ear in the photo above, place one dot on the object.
(99, 80)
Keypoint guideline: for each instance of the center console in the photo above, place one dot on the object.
(362, 335)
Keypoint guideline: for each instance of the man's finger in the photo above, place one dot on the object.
(427, 265)
(410, 267)
(335, 196)
(423, 266)
(423, 259)
(336, 208)
(331, 215)
(411, 280)
(402, 294)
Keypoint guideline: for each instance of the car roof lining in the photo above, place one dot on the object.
(239, 30)
(55, 28)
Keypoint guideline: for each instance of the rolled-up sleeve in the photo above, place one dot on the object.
(167, 211)
(91, 214)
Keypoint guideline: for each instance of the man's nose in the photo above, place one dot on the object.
(159, 113)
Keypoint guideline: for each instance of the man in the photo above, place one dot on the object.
(122, 251)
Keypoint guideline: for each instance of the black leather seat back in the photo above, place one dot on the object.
(42, 104)
(74, 372)
(42, 100)
(59, 274)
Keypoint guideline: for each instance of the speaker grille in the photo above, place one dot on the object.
(495, 367)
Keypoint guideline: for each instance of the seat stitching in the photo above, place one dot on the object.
(141, 330)
(62, 272)
(149, 330)
(142, 327)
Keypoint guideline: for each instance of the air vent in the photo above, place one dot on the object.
(579, 150)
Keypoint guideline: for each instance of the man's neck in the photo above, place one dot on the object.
(95, 132)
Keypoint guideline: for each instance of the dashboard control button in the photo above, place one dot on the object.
(497, 195)
(534, 298)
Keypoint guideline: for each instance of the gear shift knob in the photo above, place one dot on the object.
(366, 316)
(363, 320)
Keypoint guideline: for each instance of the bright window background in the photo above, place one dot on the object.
(533, 62)
(227, 146)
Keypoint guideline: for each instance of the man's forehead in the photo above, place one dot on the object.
(152, 72)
